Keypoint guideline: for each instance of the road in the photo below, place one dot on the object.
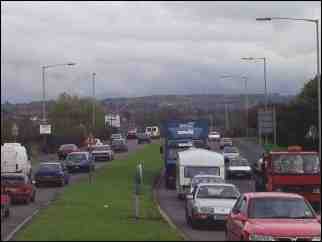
(174, 207)
(47, 194)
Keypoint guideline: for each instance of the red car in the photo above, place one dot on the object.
(5, 205)
(65, 149)
(273, 216)
(18, 187)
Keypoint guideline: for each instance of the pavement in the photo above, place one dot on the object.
(45, 195)
(174, 208)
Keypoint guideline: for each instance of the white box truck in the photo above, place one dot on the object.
(14, 159)
(195, 161)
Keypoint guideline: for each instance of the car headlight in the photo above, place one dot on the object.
(258, 237)
(317, 238)
(205, 209)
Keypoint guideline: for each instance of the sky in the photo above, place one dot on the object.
(152, 48)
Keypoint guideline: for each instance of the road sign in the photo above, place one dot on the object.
(265, 119)
(45, 129)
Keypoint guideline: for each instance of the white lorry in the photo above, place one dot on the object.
(195, 161)
(14, 159)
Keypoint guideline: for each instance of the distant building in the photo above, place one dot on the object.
(113, 120)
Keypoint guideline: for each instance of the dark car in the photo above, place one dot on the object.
(79, 161)
(19, 187)
(143, 138)
(119, 145)
(51, 173)
(65, 149)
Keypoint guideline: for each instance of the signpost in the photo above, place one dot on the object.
(138, 181)
(266, 120)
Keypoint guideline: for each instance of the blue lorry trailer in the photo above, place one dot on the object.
(180, 135)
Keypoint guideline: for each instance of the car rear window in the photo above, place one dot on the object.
(49, 167)
(7, 179)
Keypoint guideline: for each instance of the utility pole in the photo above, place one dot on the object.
(226, 117)
(93, 109)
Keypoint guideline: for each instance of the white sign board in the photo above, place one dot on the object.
(45, 129)
(113, 120)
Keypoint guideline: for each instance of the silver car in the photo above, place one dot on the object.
(210, 203)
(238, 167)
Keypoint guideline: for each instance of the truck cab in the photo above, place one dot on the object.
(293, 170)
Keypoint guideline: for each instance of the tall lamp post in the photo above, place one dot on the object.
(316, 21)
(93, 109)
(265, 80)
(245, 79)
(44, 120)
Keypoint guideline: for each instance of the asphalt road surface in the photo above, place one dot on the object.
(47, 194)
(174, 207)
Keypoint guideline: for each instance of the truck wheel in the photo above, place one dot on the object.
(188, 219)
(33, 198)
(7, 213)
(194, 224)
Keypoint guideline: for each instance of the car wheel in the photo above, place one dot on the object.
(194, 224)
(188, 219)
(62, 183)
(27, 200)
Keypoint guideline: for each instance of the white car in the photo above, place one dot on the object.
(102, 152)
(230, 152)
(116, 136)
(238, 167)
(205, 179)
(214, 135)
(210, 203)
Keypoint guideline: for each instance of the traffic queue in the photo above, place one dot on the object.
(281, 209)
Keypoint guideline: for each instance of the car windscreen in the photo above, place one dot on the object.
(296, 163)
(8, 179)
(238, 162)
(49, 167)
(192, 171)
(76, 157)
(117, 142)
(101, 148)
(223, 192)
(271, 207)
(198, 180)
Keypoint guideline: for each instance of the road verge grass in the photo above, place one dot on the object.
(104, 210)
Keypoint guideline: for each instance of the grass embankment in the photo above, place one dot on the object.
(104, 210)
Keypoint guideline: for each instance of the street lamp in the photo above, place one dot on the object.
(44, 121)
(93, 109)
(245, 79)
(43, 85)
(316, 21)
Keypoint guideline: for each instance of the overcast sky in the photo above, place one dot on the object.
(147, 48)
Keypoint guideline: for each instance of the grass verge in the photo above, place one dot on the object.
(103, 210)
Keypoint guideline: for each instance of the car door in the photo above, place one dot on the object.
(236, 225)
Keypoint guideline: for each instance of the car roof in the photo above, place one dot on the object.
(272, 194)
(13, 174)
(78, 152)
(50, 163)
(205, 175)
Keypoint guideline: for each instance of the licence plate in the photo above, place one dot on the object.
(219, 217)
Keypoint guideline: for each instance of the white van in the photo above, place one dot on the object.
(14, 159)
(195, 161)
(152, 131)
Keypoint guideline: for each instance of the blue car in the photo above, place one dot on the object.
(80, 161)
(51, 173)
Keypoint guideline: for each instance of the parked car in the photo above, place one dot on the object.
(197, 179)
(119, 145)
(132, 134)
(19, 187)
(153, 132)
(102, 152)
(65, 149)
(5, 205)
(210, 203)
(230, 152)
(80, 161)
(238, 167)
(51, 173)
(143, 138)
(214, 136)
(273, 216)
(225, 142)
